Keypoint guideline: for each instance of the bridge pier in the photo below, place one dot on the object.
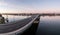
(37, 20)
(32, 30)
(35, 25)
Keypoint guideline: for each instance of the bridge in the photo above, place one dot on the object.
(13, 28)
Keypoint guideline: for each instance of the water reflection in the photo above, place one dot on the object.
(49, 26)
(12, 18)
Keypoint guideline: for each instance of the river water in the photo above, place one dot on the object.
(49, 25)
(12, 18)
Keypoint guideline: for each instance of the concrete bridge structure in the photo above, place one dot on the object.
(13, 28)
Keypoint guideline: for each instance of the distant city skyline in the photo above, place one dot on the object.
(29, 6)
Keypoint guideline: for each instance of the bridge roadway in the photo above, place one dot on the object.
(13, 27)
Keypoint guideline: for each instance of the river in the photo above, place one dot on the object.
(12, 18)
(49, 25)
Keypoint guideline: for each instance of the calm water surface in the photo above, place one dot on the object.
(12, 18)
(49, 25)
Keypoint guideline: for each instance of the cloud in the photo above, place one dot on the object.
(28, 6)
(3, 3)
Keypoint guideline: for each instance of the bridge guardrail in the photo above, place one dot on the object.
(4, 28)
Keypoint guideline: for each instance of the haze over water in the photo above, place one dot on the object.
(13, 18)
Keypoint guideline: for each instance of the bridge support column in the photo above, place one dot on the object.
(37, 20)
(32, 30)
(35, 25)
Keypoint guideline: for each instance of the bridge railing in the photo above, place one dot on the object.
(4, 28)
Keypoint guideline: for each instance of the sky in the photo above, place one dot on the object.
(29, 6)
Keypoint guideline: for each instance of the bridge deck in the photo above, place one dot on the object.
(5, 28)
